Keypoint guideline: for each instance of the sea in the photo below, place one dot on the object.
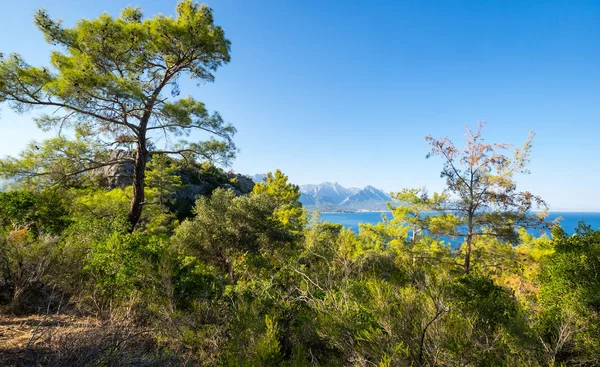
(568, 220)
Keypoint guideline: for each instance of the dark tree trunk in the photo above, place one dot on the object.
(139, 176)
(139, 168)
(468, 253)
(469, 242)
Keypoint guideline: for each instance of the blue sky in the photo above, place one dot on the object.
(346, 90)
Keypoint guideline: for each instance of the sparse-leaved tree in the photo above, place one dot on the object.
(480, 182)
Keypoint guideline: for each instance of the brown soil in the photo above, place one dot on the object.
(25, 339)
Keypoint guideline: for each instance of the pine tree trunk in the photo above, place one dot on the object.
(139, 175)
(139, 168)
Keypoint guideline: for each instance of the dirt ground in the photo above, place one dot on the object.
(24, 340)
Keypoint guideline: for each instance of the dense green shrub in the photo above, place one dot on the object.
(247, 281)
(43, 212)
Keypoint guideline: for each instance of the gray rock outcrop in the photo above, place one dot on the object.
(118, 174)
(195, 181)
(245, 184)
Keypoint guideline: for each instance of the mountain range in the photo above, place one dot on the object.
(328, 196)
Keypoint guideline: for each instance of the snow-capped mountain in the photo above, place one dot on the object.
(333, 196)
(326, 193)
(259, 177)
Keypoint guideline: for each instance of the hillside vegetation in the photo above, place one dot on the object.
(173, 262)
(249, 280)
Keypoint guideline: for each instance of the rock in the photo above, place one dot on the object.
(196, 181)
(119, 174)
(232, 188)
(190, 192)
(244, 183)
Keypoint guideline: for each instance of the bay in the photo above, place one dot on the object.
(569, 221)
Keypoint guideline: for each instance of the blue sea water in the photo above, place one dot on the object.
(569, 221)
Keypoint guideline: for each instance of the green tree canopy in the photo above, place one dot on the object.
(289, 209)
(570, 297)
(107, 79)
(417, 208)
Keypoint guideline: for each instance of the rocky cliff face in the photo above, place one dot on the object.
(117, 175)
(196, 180)
(244, 183)
(194, 185)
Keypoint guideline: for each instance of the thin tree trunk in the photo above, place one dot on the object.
(139, 169)
(468, 254)
(469, 240)
(139, 176)
(15, 302)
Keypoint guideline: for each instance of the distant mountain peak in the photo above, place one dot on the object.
(332, 196)
(259, 177)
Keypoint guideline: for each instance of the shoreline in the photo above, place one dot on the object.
(388, 211)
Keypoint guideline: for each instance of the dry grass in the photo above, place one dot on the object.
(22, 337)
(64, 340)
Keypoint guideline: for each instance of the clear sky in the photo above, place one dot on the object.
(346, 90)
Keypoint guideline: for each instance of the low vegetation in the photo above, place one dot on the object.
(150, 272)
(251, 280)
